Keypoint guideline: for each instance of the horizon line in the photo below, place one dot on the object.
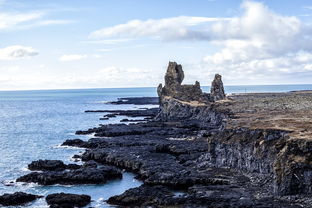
(94, 88)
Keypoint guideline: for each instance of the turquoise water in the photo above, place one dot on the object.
(34, 123)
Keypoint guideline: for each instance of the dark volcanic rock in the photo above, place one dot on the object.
(215, 196)
(90, 164)
(137, 101)
(174, 88)
(142, 196)
(203, 116)
(51, 165)
(92, 143)
(63, 200)
(79, 176)
(113, 130)
(155, 160)
(74, 143)
(132, 120)
(172, 154)
(217, 89)
(18, 198)
(151, 112)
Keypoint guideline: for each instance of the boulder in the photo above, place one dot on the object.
(74, 143)
(51, 165)
(141, 196)
(86, 175)
(62, 200)
(17, 198)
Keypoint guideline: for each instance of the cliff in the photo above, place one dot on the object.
(267, 134)
(189, 103)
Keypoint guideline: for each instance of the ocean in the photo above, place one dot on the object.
(33, 125)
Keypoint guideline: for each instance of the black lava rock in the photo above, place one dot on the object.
(64, 200)
(17, 198)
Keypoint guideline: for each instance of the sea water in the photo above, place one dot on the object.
(33, 125)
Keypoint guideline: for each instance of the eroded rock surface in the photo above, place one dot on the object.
(84, 175)
(217, 89)
(174, 88)
(136, 101)
(51, 165)
(64, 200)
(191, 160)
(212, 196)
(17, 199)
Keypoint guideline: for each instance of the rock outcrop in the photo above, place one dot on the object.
(220, 154)
(174, 88)
(17, 199)
(51, 165)
(83, 175)
(189, 102)
(217, 89)
(61, 200)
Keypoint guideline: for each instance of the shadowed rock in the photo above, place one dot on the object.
(217, 89)
(136, 101)
(141, 196)
(18, 198)
(62, 200)
(51, 165)
(79, 176)
(174, 88)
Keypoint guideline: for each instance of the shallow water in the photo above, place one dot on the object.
(34, 123)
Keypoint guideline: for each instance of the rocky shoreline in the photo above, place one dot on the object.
(196, 150)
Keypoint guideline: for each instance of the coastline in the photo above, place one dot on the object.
(181, 155)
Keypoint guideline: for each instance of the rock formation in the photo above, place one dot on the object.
(17, 199)
(68, 200)
(174, 88)
(217, 89)
(175, 99)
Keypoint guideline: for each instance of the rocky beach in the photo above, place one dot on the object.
(196, 149)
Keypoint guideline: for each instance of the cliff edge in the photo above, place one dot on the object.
(267, 134)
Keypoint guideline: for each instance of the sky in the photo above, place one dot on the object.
(68, 44)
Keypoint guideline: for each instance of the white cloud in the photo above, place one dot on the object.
(260, 46)
(258, 26)
(17, 21)
(10, 20)
(72, 57)
(45, 23)
(166, 29)
(17, 52)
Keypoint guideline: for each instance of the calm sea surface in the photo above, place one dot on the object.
(34, 123)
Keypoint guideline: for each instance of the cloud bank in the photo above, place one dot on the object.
(27, 20)
(17, 52)
(175, 28)
(257, 44)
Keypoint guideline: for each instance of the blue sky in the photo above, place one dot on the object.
(122, 43)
